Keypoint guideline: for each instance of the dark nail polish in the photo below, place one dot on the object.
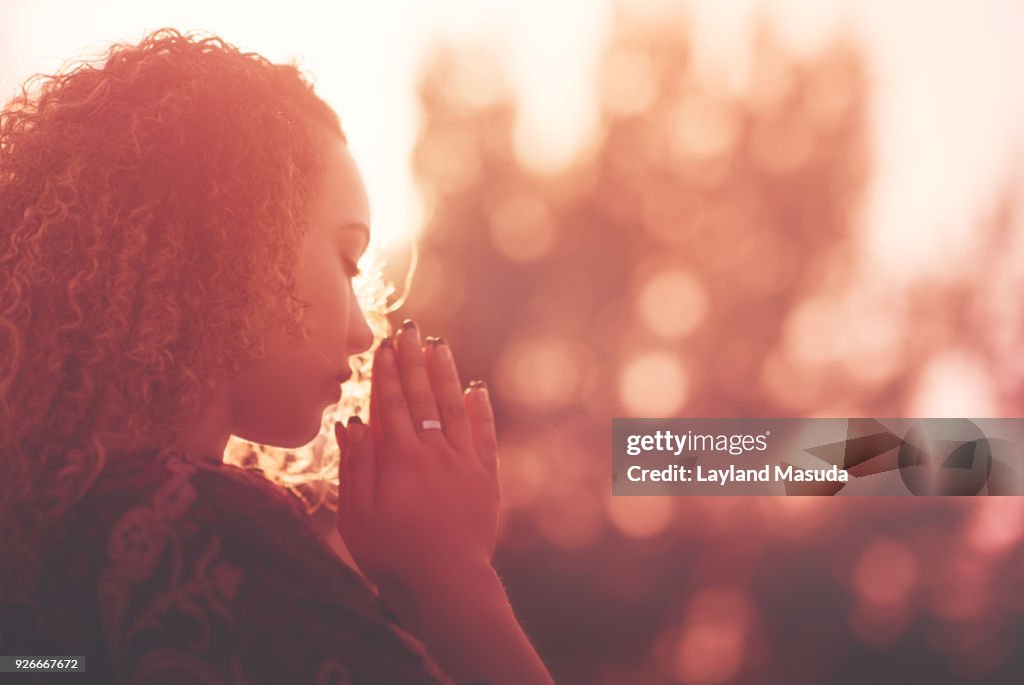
(387, 342)
(431, 340)
(440, 341)
(357, 431)
(409, 325)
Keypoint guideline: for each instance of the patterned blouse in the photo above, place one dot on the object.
(174, 571)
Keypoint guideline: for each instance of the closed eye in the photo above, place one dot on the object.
(351, 266)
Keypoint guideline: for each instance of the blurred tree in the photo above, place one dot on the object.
(694, 226)
(699, 258)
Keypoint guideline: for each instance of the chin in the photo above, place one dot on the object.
(294, 436)
(315, 424)
(287, 419)
(300, 439)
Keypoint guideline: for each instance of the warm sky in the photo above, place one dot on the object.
(948, 114)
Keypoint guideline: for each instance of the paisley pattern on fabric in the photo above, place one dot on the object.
(173, 570)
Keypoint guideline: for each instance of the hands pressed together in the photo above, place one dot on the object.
(419, 505)
(418, 508)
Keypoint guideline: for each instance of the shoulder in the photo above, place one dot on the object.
(211, 570)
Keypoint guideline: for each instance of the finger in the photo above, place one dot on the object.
(390, 412)
(481, 421)
(374, 415)
(415, 382)
(374, 412)
(358, 468)
(444, 379)
(343, 447)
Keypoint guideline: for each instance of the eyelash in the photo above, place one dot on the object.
(353, 268)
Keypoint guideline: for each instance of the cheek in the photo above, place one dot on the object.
(328, 292)
(295, 392)
(280, 401)
(327, 320)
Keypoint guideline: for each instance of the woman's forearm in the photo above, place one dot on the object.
(468, 625)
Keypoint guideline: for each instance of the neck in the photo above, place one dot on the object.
(207, 437)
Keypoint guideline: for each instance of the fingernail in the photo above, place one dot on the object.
(409, 325)
(387, 348)
(481, 391)
(431, 340)
(443, 352)
(356, 429)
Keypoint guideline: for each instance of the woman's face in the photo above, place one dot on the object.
(280, 401)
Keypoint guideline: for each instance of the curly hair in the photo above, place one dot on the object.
(152, 202)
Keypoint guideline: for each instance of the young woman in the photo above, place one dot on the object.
(179, 225)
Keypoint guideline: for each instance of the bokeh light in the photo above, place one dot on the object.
(654, 385)
(672, 303)
(714, 636)
(660, 209)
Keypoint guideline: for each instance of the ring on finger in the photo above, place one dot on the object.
(429, 424)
